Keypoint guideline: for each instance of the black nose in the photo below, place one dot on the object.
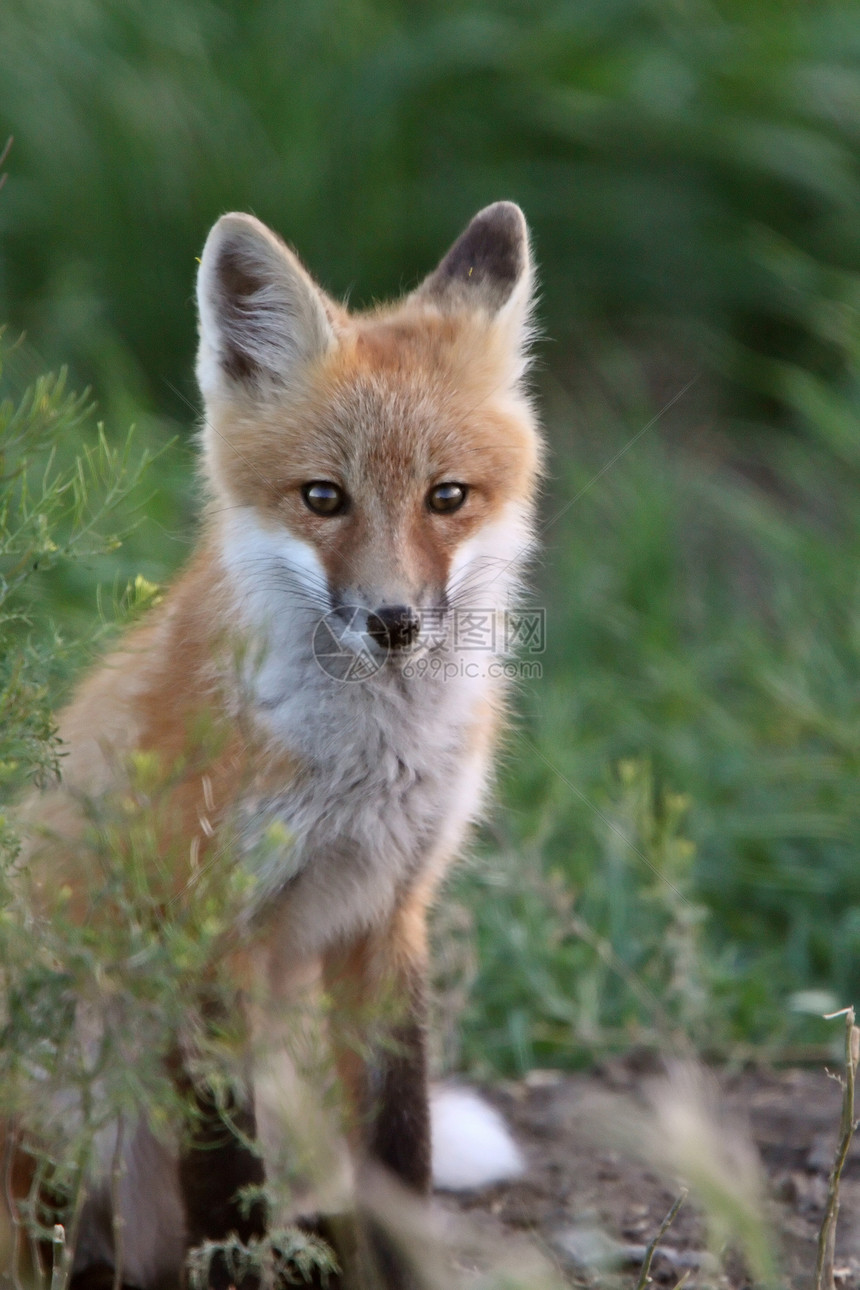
(394, 626)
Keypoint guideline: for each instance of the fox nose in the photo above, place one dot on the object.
(394, 626)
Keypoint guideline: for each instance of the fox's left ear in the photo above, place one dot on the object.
(489, 268)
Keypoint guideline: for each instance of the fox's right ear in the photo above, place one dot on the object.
(261, 315)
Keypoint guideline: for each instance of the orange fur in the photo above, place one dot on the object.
(387, 405)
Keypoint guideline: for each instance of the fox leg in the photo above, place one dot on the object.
(218, 1156)
(379, 1003)
(378, 989)
(396, 1096)
(215, 1164)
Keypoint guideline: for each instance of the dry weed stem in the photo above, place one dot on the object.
(661, 1232)
(827, 1235)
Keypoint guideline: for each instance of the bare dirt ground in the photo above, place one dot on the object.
(582, 1201)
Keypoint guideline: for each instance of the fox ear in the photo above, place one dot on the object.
(261, 314)
(488, 267)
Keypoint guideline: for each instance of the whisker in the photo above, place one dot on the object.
(474, 581)
(275, 566)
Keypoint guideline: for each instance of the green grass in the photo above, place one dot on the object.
(677, 853)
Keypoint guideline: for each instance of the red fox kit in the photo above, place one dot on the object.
(370, 482)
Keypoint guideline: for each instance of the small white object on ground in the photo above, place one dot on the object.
(472, 1145)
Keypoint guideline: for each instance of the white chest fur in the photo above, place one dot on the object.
(391, 768)
(389, 778)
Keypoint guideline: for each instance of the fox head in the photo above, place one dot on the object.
(381, 465)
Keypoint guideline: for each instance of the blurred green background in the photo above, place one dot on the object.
(677, 856)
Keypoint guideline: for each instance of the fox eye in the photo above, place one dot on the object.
(324, 498)
(445, 498)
